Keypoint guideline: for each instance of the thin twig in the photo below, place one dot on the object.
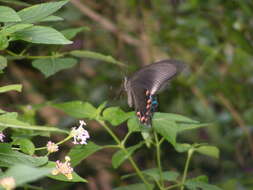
(105, 23)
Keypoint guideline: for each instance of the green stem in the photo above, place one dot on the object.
(116, 139)
(189, 155)
(64, 140)
(21, 56)
(158, 157)
(173, 186)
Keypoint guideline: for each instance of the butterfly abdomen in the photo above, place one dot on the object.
(145, 115)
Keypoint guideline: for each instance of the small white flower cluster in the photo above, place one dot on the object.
(52, 147)
(79, 134)
(2, 137)
(64, 168)
(8, 183)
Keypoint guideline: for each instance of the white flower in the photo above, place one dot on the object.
(2, 137)
(79, 134)
(52, 147)
(64, 168)
(8, 183)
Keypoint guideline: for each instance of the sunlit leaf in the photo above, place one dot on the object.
(80, 152)
(51, 66)
(77, 109)
(8, 14)
(209, 151)
(9, 157)
(41, 35)
(38, 12)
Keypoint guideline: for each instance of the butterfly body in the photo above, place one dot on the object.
(144, 85)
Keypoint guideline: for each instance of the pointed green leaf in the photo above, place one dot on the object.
(80, 152)
(16, 87)
(209, 151)
(77, 109)
(3, 63)
(70, 33)
(25, 174)
(166, 128)
(41, 35)
(133, 124)
(15, 28)
(15, 2)
(7, 14)
(52, 18)
(196, 184)
(6, 121)
(38, 12)
(8, 157)
(115, 115)
(4, 42)
(26, 145)
(51, 66)
(95, 55)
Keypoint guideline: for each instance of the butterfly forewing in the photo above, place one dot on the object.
(146, 83)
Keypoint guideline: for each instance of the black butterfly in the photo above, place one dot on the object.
(143, 86)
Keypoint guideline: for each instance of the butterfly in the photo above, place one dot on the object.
(144, 85)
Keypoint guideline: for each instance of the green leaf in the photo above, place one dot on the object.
(166, 128)
(3, 63)
(166, 175)
(94, 55)
(4, 43)
(77, 109)
(190, 126)
(9, 157)
(182, 147)
(16, 87)
(41, 35)
(15, 2)
(51, 66)
(133, 124)
(7, 14)
(169, 125)
(52, 18)
(72, 32)
(209, 151)
(80, 152)
(119, 157)
(196, 184)
(15, 28)
(7, 121)
(175, 117)
(26, 145)
(61, 177)
(139, 186)
(115, 115)
(38, 12)
(24, 174)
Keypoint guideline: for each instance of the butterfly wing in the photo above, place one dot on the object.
(147, 82)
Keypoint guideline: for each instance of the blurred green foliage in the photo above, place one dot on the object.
(213, 38)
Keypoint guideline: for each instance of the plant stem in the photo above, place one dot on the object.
(189, 155)
(158, 157)
(138, 171)
(173, 186)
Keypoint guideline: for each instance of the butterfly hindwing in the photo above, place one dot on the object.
(146, 83)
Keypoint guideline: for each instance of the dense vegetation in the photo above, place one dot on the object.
(64, 61)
